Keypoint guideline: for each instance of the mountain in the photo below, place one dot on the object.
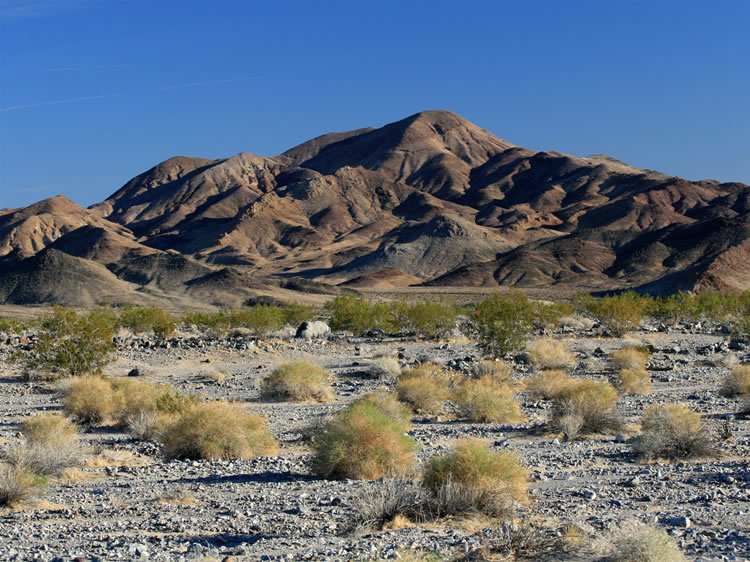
(431, 199)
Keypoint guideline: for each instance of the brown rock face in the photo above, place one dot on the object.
(431, 198)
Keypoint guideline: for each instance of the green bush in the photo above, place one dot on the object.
(548, 314)
(363, 442)
(299, 381)
(358, 315)
(142, 319)
(294, 313)
(216, 430)
(620, 313)
(260, 318)
(428, 319)
(500, 324)
(216, 324)
(73, 344)
(10, 326)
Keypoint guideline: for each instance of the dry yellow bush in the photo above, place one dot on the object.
(486, 400)
(737, 382)
(88, 399)
(548, 353)
(299, 381)
(549, 385)
(388, 403)
(425, 387)
(498, 370)
(672, 431)
(629, 358)
(587, 406)
(634, 381)
(217, 430)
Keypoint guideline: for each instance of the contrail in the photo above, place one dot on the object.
(139, 92)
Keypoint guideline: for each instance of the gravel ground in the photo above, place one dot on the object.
(128, 503)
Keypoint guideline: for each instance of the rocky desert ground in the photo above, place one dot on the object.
(126, 502)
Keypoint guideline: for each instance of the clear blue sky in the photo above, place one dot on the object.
(94, 92)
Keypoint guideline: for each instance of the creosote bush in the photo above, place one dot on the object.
(494, 479)
(72, 343)
(672, 431)
(424, 387)
(364, 441)
(737, 382)
(216, 430)
(500, 324)
(141, 319)
(547, 353)
(260, 318)
(427, 318)
(298, 381)
(587, 406)
(486, 400)
(50, 445)
(216, 324)
(620, 313)
(549, 385)
(629, 358)
(634, 381)
(358, 315)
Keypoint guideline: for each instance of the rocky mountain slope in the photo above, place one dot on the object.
(430, 199)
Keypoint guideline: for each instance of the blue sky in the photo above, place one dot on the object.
(94, 92)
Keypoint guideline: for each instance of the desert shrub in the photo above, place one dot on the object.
(427, 318)
(298, 381)
(491, 480)
(384, 367)
(295, 313)
(135, 404)
(50, 445)
(260, 318)
(216, 324)
(486, 400)
(389, 404)
(672, 431)
(587, 406)
(549, 314)
(216, 430)
(10, 326)
(547, 353)
(72, 344)
(88, 399)
(382, 502)
(679, 307)
(637, 542)
(16, 484)
(549, 385)
(737, 382)
(357, 315)
(634, 381)
(620, 313)
(629, 358)
(500, 324)
(142, 319)
(425, 387)
(498, 370)
(363, 441)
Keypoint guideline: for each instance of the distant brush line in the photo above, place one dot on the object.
(140, 92)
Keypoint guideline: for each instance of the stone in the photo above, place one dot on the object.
(135, 372)
(679, 522)
(589, 494)
(314, 329)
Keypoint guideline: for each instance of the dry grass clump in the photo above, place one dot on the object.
(629, 358)
(365, 442)
(425, 387)
(634, 381)
(88, 399)
(486, 400)
(216, 430)
(737, 382)
(637, 542)
(587, 406)
(16, 484)
(50, 445)
(549, 385)
(498, 370)
(548, 353)
(298, 381)
(488, 481)
(672, 431)
(388, 403)
(384, 367)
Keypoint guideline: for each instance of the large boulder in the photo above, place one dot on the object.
(314, 329)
